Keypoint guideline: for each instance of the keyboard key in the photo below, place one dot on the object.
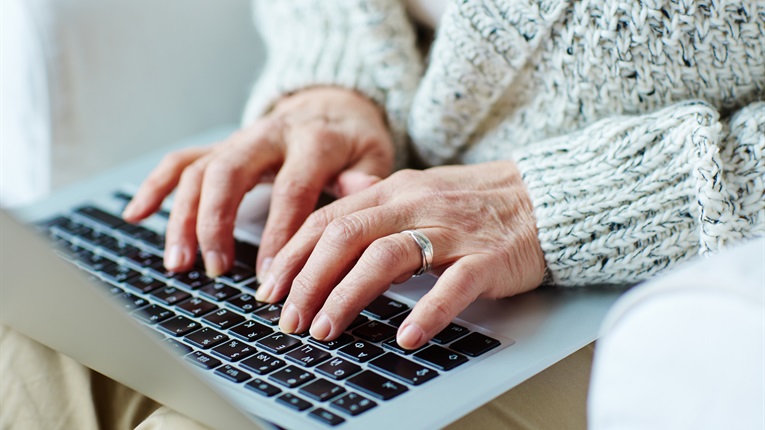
(394, 346)
(375, 331)
(180, 348)
(153, 314)
(262, 387)
(403, 369)
(383, 308)
(294, 402)
(170, 295)
(376, 385)
(360, 351)
(112, 289)
(193, 280)
(278, 343)
(131, 302)
(342, 340)
(232, 373)
(144, 284)
(118, 247)
(206, 338)
(291, 376)
(158, 270)
(353, 404)
(359, 320)
(338, 369)
(179, 326)
(326, 417)
(245, 303)
(262, 363)
(246, 254)
(66, 226)
(307, 355)
(451, 332)
(322, 390)
(475, 344)
(250, 331)
(143, 258)
(94, 262)
(94, 237)
(219, 292)
(154, 240)
(99, 216)
(119, 274)
(203, 360)
(269, 314)
(196, 307)
(234, 350)
(238, 274)
(399, 319)
(440, 357)
(223, 319)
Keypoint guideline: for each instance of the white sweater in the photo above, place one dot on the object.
(639, 127)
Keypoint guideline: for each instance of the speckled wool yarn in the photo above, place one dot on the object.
(639, 127)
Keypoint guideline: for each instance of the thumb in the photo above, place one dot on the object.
(361, 175)
(353, 181)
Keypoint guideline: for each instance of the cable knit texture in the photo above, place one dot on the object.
(639, 127)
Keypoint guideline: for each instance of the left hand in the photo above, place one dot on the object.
(478, 217)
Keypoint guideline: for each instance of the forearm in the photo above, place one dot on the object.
(627, 197)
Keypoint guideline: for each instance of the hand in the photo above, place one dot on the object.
(314, 139)
(478, 217)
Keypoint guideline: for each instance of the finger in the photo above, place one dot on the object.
(458, 287)
(342, 243)
(293, 256)
(227, 178)
(368, 171)
(160, 182)
(180, 235)
(383, 261)
(295, 192)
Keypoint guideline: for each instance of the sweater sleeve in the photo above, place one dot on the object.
(364, 45)
(628, 196)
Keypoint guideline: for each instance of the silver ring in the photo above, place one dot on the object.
(426, 247)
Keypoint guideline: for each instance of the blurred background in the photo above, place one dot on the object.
(87, 84)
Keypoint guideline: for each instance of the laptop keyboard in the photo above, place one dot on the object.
(218, 325)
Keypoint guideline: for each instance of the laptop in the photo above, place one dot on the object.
(77, 279)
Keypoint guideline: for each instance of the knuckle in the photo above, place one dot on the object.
(406, 175)
(192, 173)
(292, 190)
(437, 309)
(319, 219)
(387, 253)
(222, 171)
(324, 136)
(301, 289)
(344, 229)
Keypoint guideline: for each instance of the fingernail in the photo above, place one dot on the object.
(264, 268)
(289, 319)
(215, 263)
(321, 327)
(410, 336)
(174, 258)
(264, 291)
(129, 210)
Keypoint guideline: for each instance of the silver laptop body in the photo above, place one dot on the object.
(78, 319)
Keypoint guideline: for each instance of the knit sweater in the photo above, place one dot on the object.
(638, 127)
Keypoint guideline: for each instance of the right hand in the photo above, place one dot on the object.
(318, 138)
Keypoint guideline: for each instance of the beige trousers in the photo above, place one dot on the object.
(43, 389)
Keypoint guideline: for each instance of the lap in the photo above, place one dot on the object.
(41, 388)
